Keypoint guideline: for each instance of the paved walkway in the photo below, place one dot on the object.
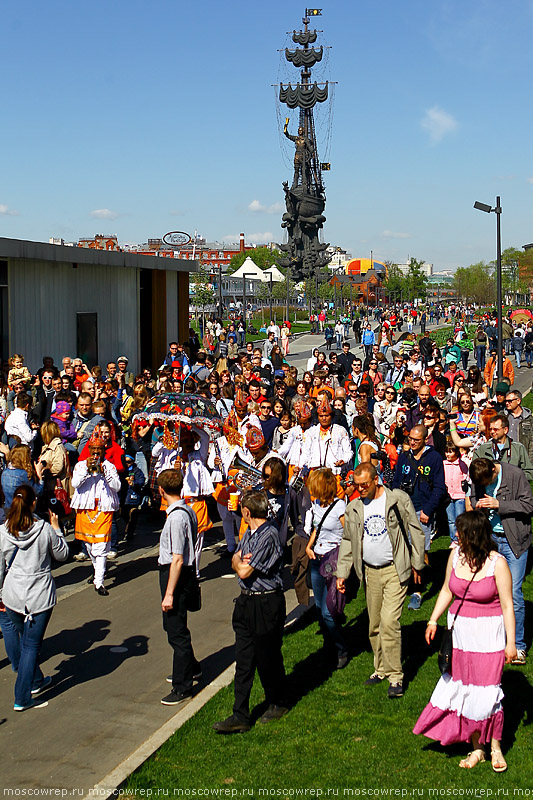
(109, 659)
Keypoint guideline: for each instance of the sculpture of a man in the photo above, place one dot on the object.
(302, 155)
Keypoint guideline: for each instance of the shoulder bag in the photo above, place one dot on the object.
(193, 591)
(446, 645)
(318, 529)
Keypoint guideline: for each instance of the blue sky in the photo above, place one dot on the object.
(137, 118)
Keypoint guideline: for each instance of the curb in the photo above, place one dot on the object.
(111, 782)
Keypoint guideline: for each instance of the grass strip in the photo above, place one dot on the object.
(340, 735)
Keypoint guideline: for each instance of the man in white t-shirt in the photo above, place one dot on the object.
(377, 528)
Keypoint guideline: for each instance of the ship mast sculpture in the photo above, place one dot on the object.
(304, 254)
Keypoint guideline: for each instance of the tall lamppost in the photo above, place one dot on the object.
(499, 301)
(271, 317)
(245, 275)
(220, 306)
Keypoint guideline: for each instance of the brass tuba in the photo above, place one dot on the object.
(247, 476)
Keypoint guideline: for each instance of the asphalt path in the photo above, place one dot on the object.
(109, 657)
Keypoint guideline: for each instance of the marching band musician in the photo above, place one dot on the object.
(222, 453)
(197, 482)
(293, 447)
(96, 483)
(327, 445)
(239, 418)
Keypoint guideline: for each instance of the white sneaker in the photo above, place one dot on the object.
(112, 554)
(81, 557)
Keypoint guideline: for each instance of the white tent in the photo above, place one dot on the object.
(277, 276)
(255, 273)
(250, 268)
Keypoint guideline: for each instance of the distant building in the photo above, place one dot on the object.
(360, 266)
(426, 268)
(96, 304)
(338, 258)
(100, 242)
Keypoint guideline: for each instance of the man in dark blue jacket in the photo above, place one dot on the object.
(420, 473)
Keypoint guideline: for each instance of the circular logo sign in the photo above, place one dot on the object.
(177, 238)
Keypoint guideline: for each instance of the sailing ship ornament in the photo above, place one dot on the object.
(303, 254)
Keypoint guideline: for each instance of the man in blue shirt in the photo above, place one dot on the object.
(258, 617)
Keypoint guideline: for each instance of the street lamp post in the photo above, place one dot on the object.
(220, 306)
(270, 298)
(288, 282)
(244, 296)
(499, 301)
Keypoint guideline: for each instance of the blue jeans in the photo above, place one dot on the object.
(529, 356)
(140, 460)
(428, 529)
(325, 620)
(518, 571)
(518, 356)
(339, 340)
(383, 349)
(11, 640)
(455, 508)
(30, 634)
(481, 351)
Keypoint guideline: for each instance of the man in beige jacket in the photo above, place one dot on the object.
(385, 543)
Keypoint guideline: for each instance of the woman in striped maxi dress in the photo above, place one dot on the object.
(467, 705)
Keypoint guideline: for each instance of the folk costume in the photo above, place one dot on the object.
(95, 499)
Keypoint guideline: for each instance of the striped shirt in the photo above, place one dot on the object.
(267, 558)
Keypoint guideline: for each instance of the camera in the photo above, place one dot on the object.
(407, 486)
(55, 507)
(465, 486)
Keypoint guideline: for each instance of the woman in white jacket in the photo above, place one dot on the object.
(27, 547)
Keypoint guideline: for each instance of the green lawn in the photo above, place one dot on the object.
(339, 734)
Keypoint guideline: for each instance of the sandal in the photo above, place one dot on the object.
(473, 759)
(499, 764)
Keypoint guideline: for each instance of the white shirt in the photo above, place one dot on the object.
(293, 447)
(103, 487)
(325, 450)
(17, 425)
(377, 546)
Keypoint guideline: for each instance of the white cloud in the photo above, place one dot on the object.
(177, 212)
(260, 238)
(257, 207)
(394, 235)
(438, 123)
(530, 180)
(104, 213)
(6, 211)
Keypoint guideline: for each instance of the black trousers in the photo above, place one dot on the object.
(175, 625)
(258, 622)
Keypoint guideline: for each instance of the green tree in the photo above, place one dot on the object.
(416, 280)
(475, 283)
(263, 257)
(395, 282)
(202, 296)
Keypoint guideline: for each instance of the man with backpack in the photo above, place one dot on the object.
(420, 473)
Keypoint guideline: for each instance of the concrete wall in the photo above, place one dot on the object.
(44, 298)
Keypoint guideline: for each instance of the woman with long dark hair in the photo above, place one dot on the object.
(27, 547)
(467, 705)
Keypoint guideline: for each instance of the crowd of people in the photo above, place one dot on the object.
(351, 467)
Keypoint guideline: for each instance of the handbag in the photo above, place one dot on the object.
(193, 591)
(446, 645)
(319, 528)
(61, 495)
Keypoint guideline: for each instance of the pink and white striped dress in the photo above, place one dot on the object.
(470, 700)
